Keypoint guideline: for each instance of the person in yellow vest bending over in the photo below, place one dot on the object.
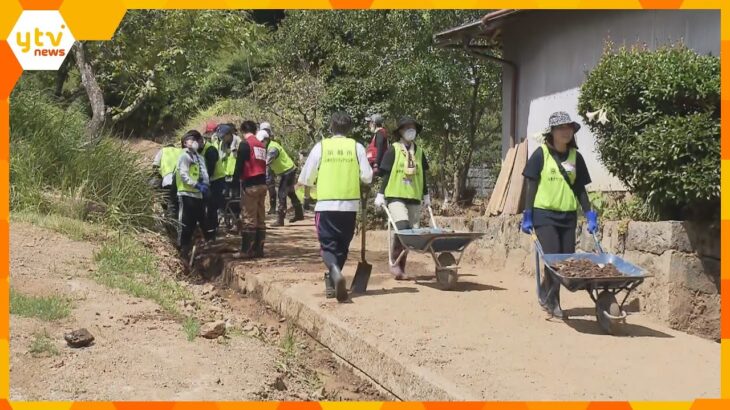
(281, 164)
(338, 165)
(164, 163)
(556, 176)
(191, 178)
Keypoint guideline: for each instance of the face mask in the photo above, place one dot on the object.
(409, 134)
(194, 146)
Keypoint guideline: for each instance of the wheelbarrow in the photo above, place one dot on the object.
(446, 247)
(603, 290)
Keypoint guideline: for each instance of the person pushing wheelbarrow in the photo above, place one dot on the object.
(404, 187)
(556, 176)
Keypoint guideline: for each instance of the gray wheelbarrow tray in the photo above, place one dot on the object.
(609, 313)
(445, 247)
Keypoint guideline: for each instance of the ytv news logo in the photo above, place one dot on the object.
(40, 40)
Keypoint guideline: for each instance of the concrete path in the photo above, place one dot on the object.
(485, 340)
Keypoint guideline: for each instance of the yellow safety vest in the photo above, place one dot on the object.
(168, 162)
(283, 161)
(338, 178)
(401, 185)
(553, 192)
(194, 172)
(220, 165)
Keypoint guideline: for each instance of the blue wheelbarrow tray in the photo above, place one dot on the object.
(632, 274)
(438, 240)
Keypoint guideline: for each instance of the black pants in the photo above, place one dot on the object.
(554, 239)
(271, 185)
(286, 189)
(335, 231)
(191, 215)
(170, 205)
(213, 202)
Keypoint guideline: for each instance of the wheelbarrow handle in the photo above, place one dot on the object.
(390, 218)
(597, 243)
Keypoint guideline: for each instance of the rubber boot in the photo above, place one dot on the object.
(247, 245)
(338, 282)
(329, 287)
(403, 266)
(298, 214)
(557, 311)
(307, 205)
(279, 219)
(259, 243)
(272, 207)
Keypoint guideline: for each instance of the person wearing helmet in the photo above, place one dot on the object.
(404, 188)
(379, 143)
(251, 171)
(191, 179)
(338, 166)
(210, 128)
(282, 166)
(216, 167)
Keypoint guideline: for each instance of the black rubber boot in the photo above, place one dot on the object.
(272, 208)
(329, 287)
(259, 244)
(338, 281)
(279, 219)
(298, 214)
(307, 205)
(247, 245)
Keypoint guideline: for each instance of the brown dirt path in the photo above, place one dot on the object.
(488, 336)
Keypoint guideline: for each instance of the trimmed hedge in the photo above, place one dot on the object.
(662, 138)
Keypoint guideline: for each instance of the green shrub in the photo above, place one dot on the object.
(662, 138)
(55, 169)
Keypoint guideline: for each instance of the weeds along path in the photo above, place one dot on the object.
(146, 347)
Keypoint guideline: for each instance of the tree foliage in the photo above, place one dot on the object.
(662, 138)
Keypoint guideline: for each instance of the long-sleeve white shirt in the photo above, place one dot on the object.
(308, 177)
(183, 166)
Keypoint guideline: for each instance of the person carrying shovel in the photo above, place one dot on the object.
(404, 187)
(556, 176)
(338, 166)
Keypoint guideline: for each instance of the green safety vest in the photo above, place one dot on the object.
(283, 161)
(168, 162)
(401, 185)
(194, 172)
(553, 192)
(220, 165)
(338, 178)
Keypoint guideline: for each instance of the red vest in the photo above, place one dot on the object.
(256, 163)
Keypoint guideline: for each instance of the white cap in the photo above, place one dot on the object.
(265, 126)
(261, 135)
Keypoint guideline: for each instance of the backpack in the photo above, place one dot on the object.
(372, 151)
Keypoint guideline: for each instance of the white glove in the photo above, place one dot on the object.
(427, 200)
(379, 201)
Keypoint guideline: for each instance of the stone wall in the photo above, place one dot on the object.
(683, 257)
(481, 179)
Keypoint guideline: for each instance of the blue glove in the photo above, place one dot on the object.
(527, 221)
(592, 218)
(203, 188)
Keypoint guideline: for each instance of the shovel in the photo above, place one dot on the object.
(362, 274)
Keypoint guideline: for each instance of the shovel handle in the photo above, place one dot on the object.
(363, 224)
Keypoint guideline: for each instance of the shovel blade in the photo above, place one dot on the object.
(362, 276)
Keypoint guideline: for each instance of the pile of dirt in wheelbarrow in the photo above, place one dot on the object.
(583, 268)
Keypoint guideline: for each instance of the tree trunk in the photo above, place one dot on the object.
(93, 91)
(62, 75)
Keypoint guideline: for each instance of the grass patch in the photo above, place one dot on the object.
(75, 229)
(289, 342)
(191, 327)
(46, 308)
(126, 264)
(42, 345)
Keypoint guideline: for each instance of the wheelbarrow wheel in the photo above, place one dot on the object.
(607, 303)
(446, 277)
